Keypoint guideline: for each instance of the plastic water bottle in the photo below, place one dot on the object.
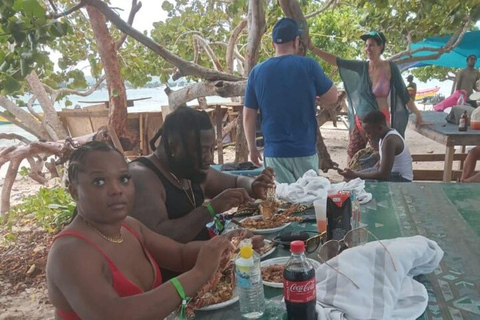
(249, 281)
(356, 212)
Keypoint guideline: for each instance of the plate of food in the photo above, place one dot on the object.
(267, 249)
(220, 305)
(258, 225)
(272, 270)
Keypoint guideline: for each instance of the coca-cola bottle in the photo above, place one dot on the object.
(299, 285)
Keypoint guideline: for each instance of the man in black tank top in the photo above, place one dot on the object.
(172, 183)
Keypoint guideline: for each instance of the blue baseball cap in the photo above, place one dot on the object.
(285, 30)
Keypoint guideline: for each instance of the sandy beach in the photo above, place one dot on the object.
(28, 298)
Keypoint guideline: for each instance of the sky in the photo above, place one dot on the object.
(150, 12)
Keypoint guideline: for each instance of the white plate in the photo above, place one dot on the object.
(265, 231)
(283, 260)
(269, 252)
(221, 304)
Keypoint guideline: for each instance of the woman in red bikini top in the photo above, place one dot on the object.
(105, 265)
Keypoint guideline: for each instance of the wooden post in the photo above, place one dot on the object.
(219, 121)
(142, 134)
(447, 173)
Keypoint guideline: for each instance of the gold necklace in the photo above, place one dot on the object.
(116, 240)
(192, 200)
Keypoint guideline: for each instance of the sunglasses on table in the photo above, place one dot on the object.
(311, 243)
(354, 237)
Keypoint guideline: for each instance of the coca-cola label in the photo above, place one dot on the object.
(299, 291)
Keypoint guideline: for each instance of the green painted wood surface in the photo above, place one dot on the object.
(447, 213)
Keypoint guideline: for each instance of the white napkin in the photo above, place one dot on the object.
(308, 189)
(384, 293)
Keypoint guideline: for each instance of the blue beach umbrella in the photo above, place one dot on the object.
(456, 58)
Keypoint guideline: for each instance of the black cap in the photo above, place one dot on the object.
(285, 30)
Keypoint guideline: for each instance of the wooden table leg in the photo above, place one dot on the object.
(219, 124)
(447, 170)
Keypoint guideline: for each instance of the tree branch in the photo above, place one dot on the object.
(209, 88)
(135, 8)
(50, 120)
(14, 136)
(186, 68)
(36, 170)
(213, 57)
(236, 53)
(185, 33)
(454, 41)
(27, 121)
(232, 42)
(30, 107)
(67, 12)
(66, 91)
(324, 8)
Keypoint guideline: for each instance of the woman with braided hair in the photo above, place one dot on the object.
(105, 265)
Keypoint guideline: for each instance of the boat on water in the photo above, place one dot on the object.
(4, 121)
(426, 93)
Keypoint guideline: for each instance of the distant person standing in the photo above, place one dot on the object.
(375, 84)
(411, 87)
(284, 88)
(467, 78)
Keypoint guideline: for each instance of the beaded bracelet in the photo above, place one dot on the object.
(178, 286)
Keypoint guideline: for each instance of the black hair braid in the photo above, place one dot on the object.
(181, 122)
(77, 160)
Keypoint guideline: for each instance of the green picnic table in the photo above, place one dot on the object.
(446, 213)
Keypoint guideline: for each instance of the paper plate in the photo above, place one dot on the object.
(221, 304)
(283, 260)
(265, 231)
(269, 252)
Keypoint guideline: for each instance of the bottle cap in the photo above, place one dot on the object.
(246, 252)
(297, 246)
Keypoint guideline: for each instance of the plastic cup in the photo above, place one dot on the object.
(320, 206)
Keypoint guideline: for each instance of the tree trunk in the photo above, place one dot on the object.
(8, 183)
(50, 120)
(256, 29)
(116, 87)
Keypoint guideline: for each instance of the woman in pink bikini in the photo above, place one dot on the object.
(105, 265)
(375, 84)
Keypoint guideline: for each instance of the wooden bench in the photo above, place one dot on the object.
(436, 175)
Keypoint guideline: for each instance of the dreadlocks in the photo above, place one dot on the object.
(180, 123)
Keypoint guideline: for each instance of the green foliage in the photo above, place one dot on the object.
(24, 171)
(24, 28)
(433, 72)
(49, 208)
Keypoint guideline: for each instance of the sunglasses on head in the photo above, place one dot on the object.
(312, 239)
(354, 237)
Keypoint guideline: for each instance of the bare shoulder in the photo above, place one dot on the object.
(134, 224)
(69, 250)
(144, 177)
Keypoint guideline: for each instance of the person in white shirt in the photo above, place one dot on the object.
(395, 162)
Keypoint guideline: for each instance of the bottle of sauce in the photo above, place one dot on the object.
(463, 123)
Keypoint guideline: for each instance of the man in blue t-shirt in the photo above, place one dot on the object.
(284, 89)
